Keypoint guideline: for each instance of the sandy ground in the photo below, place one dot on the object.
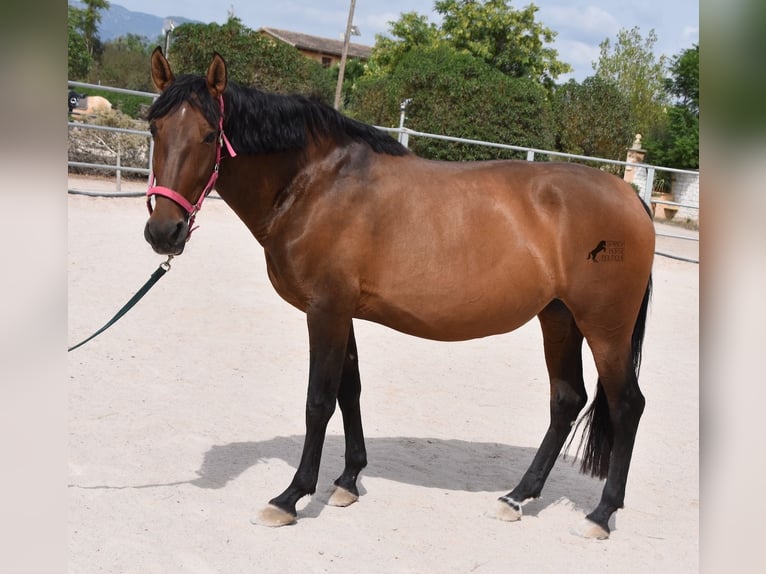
(186, 417)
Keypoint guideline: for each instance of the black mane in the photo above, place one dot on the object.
(259, 122)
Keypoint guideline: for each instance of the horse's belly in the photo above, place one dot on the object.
(456, 310)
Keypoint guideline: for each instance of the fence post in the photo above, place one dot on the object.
(648, 186)
(118, 183)
(404, 138)
(635, 155)
(530, 155)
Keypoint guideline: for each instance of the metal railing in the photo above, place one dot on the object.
(117, 167)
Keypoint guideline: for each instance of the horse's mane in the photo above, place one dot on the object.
(259, 122)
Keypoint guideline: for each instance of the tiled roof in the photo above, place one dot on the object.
(318, 44)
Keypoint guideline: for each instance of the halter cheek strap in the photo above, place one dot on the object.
(192, 209)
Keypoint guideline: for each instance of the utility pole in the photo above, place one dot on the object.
(344, 54)
(167, 28)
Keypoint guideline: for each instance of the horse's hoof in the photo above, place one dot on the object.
(274, 517)
(342, 497)
(506, 512)
(589, 529)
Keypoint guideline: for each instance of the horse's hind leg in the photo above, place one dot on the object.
(612, 424)
(356, 454)
(563, 357)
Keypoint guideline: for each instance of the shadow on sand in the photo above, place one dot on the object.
(473, 467)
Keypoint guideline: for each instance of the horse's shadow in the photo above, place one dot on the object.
(427, 462)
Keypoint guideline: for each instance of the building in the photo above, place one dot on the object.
(323, 50)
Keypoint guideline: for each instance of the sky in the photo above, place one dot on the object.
(581, 24)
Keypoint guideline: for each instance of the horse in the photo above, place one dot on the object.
(82, 105)
(354, 226)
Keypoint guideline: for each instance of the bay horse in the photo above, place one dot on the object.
(355, 226)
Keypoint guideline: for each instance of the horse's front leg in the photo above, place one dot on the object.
(328, 337)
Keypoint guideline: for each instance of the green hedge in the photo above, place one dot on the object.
(456, 94)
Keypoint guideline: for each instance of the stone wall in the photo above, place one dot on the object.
(686, 190)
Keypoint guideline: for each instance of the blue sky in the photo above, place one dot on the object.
(581, 24)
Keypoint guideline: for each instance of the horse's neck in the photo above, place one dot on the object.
(257, 187)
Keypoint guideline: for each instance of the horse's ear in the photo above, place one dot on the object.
(162, 75)
(216, 75)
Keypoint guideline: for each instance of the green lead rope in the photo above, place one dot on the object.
(160, 271)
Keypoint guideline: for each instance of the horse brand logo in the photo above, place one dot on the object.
(607, 251)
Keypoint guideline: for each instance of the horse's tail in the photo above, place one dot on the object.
(598, 435)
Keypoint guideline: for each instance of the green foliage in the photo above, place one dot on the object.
(675, 143)
(507, 39)
(355, 69)
(457, 94)
(90, 19)
(252, 59)
(79, 61)
(684, 84)
(409, 31)
(638, 74)
(592, 118)
(124, 64)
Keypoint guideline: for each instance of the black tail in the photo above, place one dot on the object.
(598, 435)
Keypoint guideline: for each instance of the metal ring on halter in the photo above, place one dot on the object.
(166, 264)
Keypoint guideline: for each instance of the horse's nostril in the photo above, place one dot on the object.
(179, 230)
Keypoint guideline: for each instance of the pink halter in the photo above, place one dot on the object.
(180, 199)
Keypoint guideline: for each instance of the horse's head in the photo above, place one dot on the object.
(185, 123)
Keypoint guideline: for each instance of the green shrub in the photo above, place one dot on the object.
(456, 94)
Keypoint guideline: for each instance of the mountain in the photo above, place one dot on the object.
(118, 21)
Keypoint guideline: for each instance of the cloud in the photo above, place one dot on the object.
(589, 23)
(691, 34)
(580, 55)
(377, 23)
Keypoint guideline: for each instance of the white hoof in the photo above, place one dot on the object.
(273, 517)
(589, 529)
(342, 497)
(506, 512)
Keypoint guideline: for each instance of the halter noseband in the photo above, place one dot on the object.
(192, 209)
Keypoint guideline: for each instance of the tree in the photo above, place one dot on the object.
(631, 64)
(124, 64)
(592, 118)
(410, 30)
(460, 95)
(676, 142)
(685, 81)
(507, 39)
(79, 60)
(91, 18)
(252, 59)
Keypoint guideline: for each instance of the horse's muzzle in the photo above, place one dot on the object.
(167, 237)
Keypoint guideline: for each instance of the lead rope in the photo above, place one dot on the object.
(160, 271)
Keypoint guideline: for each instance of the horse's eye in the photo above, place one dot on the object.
(210, 138)
(153, 130)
